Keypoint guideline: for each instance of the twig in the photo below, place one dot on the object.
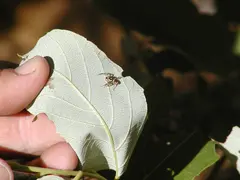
(45, 171)
(78, 176)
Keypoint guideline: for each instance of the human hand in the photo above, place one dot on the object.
(18, 132)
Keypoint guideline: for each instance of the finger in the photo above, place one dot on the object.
(5, 171)
(20, 133)
(58, 156)
(18, 87)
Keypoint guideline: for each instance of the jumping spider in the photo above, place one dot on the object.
(111, 80)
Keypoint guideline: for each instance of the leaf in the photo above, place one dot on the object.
(232, 144)
(205, 7)
(236, 47)
(205, 158)
(101, 124)
(50, 177)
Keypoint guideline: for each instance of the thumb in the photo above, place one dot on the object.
(5, 171)
(18, 87)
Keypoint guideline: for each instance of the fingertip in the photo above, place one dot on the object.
(5, 171)
(60, 156)
(42, 67)
(37, 66)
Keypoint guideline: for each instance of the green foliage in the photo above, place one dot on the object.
(204, 159)
(46, 171)
(236, 48)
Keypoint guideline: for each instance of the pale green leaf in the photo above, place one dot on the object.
(100, 123)
(232, 144)
(204, 159)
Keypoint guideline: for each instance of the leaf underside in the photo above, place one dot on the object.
(102, 124)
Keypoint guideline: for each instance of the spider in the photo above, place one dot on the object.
(111, 80)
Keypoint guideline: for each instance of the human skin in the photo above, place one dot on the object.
(18, 132)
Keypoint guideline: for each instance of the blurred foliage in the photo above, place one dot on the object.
(205, 158)
(236, 48)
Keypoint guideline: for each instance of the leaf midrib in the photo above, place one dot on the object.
(107, 130)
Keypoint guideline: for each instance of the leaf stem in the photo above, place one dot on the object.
(78, 176)
(45, 171)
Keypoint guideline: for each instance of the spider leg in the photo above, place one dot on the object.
(114, 87)
(108, 84)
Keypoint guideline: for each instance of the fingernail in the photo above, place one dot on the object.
(28, 67)
(4, 172)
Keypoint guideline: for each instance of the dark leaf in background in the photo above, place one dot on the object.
(161, 147)
(229, 10)
(205, 39)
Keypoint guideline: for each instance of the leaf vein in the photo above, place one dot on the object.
(78, 122)
(54, 97)
(65, 59)
(85, 67)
